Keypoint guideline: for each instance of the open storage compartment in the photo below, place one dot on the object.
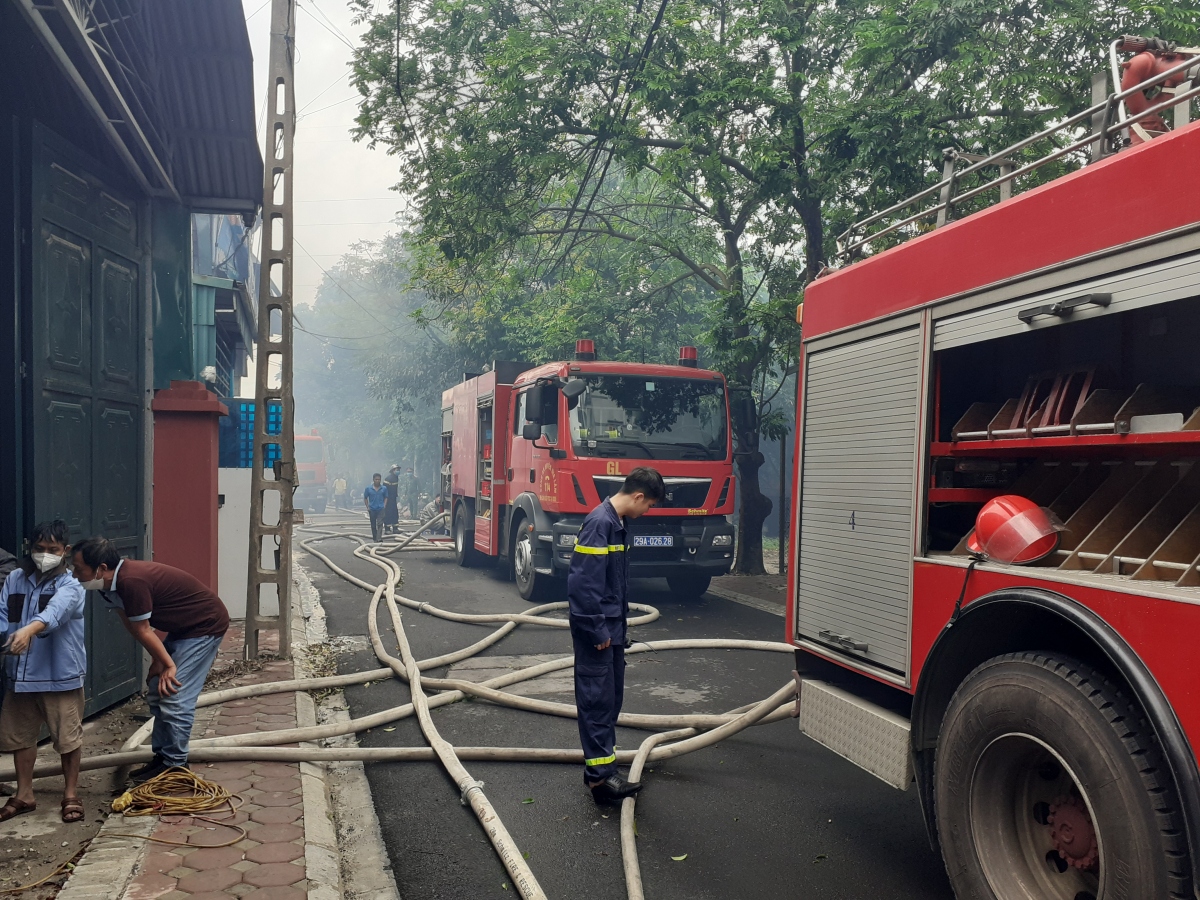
(483, 480)
(1096, 418)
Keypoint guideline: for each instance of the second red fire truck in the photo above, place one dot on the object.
(1031, 373)
(528, 452)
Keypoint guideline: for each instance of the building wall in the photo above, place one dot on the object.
(172, 295)
(233, 537)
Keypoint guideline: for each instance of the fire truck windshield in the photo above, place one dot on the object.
(309, 452)
(640, 417)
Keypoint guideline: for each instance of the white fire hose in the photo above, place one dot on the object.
(687, 732)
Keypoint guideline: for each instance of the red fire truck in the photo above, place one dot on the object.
(1045, 349)
(527, 453)
(312, 492)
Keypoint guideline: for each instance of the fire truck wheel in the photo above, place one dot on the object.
(530, 585)
(1048, 783)
(688, 585)
(464, 540)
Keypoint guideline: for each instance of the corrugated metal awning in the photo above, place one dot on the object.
(206, 93)
(171, 85)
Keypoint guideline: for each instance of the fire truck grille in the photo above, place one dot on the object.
(682, 493)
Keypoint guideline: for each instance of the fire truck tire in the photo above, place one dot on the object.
(530, 585)
(464, 539)
(1048, 783)
(688, 585)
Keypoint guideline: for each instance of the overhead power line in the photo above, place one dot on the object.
(337, 224)
(343, 289)
(337, 34)
(323, 91)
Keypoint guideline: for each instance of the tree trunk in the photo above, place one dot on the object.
(755, 506)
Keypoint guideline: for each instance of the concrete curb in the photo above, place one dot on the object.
(775, 609)
(366, 872)
(105, 870)
(322, 864)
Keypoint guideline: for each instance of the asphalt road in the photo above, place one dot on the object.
(765, 814)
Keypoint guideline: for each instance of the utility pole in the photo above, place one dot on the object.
(271, 532)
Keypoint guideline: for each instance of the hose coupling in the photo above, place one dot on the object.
(466, 791)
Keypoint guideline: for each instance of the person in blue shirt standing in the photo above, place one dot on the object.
(597, 593)
(41, 605)
(375, 499)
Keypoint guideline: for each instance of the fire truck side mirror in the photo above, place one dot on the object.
(531, 431)
(574, 388)
(535, 400)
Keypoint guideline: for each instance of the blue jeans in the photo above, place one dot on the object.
(173, 715)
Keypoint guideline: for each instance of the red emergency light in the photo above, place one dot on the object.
(688, 357)
(585, 350)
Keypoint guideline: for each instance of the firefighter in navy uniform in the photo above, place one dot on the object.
(597, 592)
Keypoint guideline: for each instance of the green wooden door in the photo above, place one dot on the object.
(87, 375)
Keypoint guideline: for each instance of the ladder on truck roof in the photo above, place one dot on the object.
(1109, 122)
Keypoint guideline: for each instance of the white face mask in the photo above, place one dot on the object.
(96, 584)
(46, 561)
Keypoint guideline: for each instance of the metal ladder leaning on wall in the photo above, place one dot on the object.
(274, 352)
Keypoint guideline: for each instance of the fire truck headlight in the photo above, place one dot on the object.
(723, 540)
(566, 540)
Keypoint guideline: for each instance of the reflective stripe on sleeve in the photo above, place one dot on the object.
(601, 761)
(613, 548)
(596, 551)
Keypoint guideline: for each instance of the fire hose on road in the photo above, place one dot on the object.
(675, 735)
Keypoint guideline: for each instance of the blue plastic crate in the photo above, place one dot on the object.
(237, 434)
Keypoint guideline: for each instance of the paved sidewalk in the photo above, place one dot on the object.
(765, 592)
(269, 863)
(274, 860)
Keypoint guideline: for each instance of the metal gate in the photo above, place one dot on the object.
(87, 375)
(861, 415)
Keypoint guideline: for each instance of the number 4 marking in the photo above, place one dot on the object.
(851, 522)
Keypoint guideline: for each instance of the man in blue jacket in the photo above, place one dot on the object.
(41, 614)
(375, 499)
(597, 592)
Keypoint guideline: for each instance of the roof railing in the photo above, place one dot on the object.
(1107, 125)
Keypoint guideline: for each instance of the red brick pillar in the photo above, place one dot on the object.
(185, 478)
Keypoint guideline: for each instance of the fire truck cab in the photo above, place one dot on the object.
(528, 452)
(1044, 347)
(312, 491)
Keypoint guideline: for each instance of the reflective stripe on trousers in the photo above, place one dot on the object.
(599, 691)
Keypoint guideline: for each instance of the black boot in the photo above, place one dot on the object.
(155, 769)
(614, 789)
(140, 772)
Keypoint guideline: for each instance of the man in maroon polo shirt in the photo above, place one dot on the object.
(152, 597)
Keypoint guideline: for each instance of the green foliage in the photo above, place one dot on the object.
(643, 172)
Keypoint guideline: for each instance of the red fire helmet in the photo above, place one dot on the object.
(1014, 529)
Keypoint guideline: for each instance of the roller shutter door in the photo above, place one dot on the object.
(856, 506)
(1164, 282)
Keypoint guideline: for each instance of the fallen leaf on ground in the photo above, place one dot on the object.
(679, 858)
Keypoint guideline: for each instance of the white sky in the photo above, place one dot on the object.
(342, 191)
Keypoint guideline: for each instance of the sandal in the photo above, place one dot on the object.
(14, 808)
(72, 809)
